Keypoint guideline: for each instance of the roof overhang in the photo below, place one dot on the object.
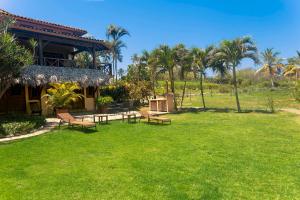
(36, 75)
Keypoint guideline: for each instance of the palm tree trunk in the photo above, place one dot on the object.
(236, 89)
(116, 69)
(202, 91)
(113, 67)
(271, 76)
(183, 94)
(171, 74)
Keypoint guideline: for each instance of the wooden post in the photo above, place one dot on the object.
(84, 96)
(43, 102)
(41, 57)
(28, 109)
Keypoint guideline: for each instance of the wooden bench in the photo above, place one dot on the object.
(151, 118)
(159, 119)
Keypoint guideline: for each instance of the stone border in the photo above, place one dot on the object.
(50, 124)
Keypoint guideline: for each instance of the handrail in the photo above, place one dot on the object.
(60, 62)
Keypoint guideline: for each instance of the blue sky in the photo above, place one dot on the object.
(272, 23)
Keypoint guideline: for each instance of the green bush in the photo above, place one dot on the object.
(296, 92)
(119, 92)
(12, 125)
(271, 104)
(103, 101)
(224, 89)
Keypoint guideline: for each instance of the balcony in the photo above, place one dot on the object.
(106, 68)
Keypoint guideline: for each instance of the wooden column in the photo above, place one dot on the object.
(43, 102)
(41, 56)
(28, 108)
(85, 98)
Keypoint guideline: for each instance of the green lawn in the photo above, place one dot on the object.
(200, 156)
(249, 100)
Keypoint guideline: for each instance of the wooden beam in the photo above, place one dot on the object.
(41, 56)
(28, 108)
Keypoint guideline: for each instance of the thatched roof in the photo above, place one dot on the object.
(41, 75)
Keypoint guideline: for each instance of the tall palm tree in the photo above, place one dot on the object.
(232, 52)
(114, 34)
(166, 61)
(202, 60)
(271, 64)
(183, 61)
(153, 68)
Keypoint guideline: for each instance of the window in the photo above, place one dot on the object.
(16, 90)
(90, 92)
(35, 93)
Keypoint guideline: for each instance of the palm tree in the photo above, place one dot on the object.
(292, 70)
(33, 44)
(166, 62)
(271, 64)
(121, 72)
(231, 53)
(115, 34)
(153, 67)
(62, 95)
(202, 59)
(183, 60)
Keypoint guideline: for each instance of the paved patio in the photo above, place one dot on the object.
(51, 123)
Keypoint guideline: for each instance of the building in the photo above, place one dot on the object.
(54, 62)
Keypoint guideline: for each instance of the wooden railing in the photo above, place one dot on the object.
(58, 62)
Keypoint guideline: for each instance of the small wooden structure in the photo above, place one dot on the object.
(162, 104)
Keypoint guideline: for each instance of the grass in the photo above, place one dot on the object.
(200, 156)
(254, 100)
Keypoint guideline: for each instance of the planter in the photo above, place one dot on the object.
(61, 110)
(102, 109)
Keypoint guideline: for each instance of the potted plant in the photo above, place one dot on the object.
(61, 95)
(103, 102)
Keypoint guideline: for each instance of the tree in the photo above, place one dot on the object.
(183, 61)
(13, 57)
(202, 60)
(84, 59)
(292, 70)
(61, 95)
(114, 35)
(121, 72)
(166, 62)
(33, 45)
(231, 53)
(271, 64)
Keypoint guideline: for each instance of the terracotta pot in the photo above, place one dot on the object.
(61, 110)
(102, 109)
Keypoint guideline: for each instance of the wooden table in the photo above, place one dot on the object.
(129, 117)
(100, 118)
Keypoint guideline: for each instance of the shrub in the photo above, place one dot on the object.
(224, 89)
(104, 100)
(61, 95)
(270, 104)
(13, 125)
(119, 92)
(296, 92)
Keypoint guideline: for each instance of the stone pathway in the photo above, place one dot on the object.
(53, 122)
(292, 110)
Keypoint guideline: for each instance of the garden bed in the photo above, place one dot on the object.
(13, 125)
